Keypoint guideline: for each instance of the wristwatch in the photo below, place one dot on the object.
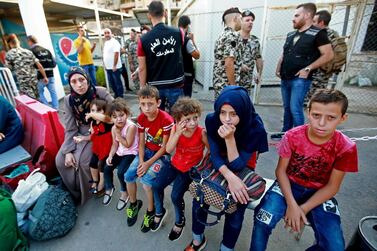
(307, 69)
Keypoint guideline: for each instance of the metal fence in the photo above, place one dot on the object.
(352, 19)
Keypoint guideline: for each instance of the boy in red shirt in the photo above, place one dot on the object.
(314, 159)
(154, 127)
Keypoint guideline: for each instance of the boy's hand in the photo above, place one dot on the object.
(238, 189)
(70, 160)
(295, 217)
(226, 131)
(142, 168)
(109, 160)
(181, 127)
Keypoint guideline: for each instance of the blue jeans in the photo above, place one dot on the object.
(232, 225)
(91, 70)
(51, 88)
(181, 185)
(325, 219)
(293, 92)
(122, 163)
(169, 95)
(115, 82)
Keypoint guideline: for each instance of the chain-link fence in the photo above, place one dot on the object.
(354, 20)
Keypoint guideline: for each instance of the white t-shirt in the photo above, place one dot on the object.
(111, 46)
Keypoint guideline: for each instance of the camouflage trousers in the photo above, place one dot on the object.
(218, 87)
(248, 85)
(29, 87)
(320, 81)
(136, 84)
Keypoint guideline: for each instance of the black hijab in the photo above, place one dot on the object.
(250, 134)
(81, 103)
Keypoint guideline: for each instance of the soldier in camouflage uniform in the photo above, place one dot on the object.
(22, 62)
(228, 49)
(320, 78)
(251, 54)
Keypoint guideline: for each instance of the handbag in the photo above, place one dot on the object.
(210, 187)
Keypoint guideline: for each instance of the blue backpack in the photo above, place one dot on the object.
(53, 215)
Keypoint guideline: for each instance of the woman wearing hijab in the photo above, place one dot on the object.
(236, 135)
(72, 160)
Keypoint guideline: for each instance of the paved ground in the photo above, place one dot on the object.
(104, 228)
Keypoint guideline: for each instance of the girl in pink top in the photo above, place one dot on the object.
(122, 153)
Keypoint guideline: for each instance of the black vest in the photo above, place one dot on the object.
(46, 59)
(162, 47)
(299, 55)
(188, 64)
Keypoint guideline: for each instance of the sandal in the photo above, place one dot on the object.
(122, 203)
(94, 188)
(174, 234)
(107, 198)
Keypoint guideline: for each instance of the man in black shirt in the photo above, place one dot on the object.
(305, 50)
(48, 62)
(160, 56)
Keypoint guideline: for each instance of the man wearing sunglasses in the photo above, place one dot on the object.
(251, 54)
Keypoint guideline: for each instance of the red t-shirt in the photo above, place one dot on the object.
(310, 165)
(156, 129)
(189, 151)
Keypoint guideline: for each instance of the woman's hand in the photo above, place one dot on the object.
(2, 136)
(77, 139)
(238, 189)
(226, 131)
(295, 217)
(70, 160)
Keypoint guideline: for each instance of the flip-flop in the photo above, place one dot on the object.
(107, 198)
(122, 203)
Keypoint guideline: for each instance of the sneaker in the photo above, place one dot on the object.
(192, 247)
(132, 212)
(277, 136)
(156, 225)
(147, 222)
(176, 234)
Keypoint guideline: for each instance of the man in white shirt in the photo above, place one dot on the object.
(112, 62)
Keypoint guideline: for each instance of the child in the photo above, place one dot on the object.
(100, 136)
(314, 159)
(188, 140)
(151, 163)
(123, 151)
(235, 134)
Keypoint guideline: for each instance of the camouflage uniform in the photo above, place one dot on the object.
(229, 44)
(132, 52)
(250, 53)
(320, 78)
(22, 62)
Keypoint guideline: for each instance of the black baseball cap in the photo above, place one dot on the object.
(248, 13)
(230, 11)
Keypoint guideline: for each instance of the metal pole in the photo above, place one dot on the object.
(99, 31)
(346, 18)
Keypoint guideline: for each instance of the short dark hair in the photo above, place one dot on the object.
(309, 7)
(12, 38)
(230, 11)
(120, 105)
(185, 106)
(324, 15)
(32, 39)
(101, 105)
(184, 21)
(148, 91)
(156, 9)
(326, 96)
